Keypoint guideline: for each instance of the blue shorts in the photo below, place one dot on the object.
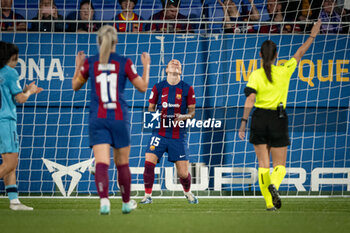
(113, 132)
(8, 137)
(177, 149)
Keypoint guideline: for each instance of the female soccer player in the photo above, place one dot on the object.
(109, 121)
(173, 98)
(267, 89)
(10, 92)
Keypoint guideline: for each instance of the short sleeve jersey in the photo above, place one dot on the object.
(270, 95)
(171, 100)
(9, 88)
(107, 86)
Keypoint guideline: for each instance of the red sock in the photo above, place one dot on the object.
(124, 180)
(186, 183)
(148, 177)
(101, 179)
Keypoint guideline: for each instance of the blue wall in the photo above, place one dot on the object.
(50, 124)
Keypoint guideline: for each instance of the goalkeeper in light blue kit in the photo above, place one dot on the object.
(10, 93)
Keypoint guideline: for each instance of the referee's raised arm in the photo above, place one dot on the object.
(302, 50)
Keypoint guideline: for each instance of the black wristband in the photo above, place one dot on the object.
(243, 119)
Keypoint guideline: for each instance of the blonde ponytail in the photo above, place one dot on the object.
(106, 37)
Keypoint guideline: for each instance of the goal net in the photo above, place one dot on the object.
(53, 125)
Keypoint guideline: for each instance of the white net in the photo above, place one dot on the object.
(53, 126)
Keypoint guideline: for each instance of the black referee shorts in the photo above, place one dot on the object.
(268, 128)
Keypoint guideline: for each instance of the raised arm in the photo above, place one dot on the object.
(230, 11)
(302, 50)
(139, 83)
(255, 15)
(78, 80)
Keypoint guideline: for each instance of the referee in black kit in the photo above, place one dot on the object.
(267, 90)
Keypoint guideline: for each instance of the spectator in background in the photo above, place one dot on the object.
(86, 15)
(170, 12)
(328, 15)
(48, 11)
(298, 10)
(274, 9)
(8, 14)
(306, 11)
(232, 14)
(346, 15)
(128, 14)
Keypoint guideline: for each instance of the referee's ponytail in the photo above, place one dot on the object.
(106, 37)
(268, 54)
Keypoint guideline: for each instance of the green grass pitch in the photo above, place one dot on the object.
(176, 215)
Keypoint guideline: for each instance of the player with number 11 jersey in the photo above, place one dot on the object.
(109, 124)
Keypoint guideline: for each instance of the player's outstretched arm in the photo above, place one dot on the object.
(302, 50)
(141, 84)
(78, 80)
(27, 91)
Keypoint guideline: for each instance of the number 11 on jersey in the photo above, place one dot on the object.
(108, 95)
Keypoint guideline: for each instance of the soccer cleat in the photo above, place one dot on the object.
(105, 206)
(146, 200)
(128, 207)
(271, 209)
(105, 210)
(276, 199)
(20, 206)
(191, 198)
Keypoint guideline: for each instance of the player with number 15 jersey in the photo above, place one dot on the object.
(176, 101)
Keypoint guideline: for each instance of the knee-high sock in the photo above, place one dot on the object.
(264, 182)
(124, 180)
(186, 183)
(148, 177)
(277, 175)
(102, 179)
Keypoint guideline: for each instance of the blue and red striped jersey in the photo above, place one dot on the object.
(107, 86)
(172, 100)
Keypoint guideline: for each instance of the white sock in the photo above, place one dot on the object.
(187, 193)
(148, 194)
(105, 201)
(15, 201)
